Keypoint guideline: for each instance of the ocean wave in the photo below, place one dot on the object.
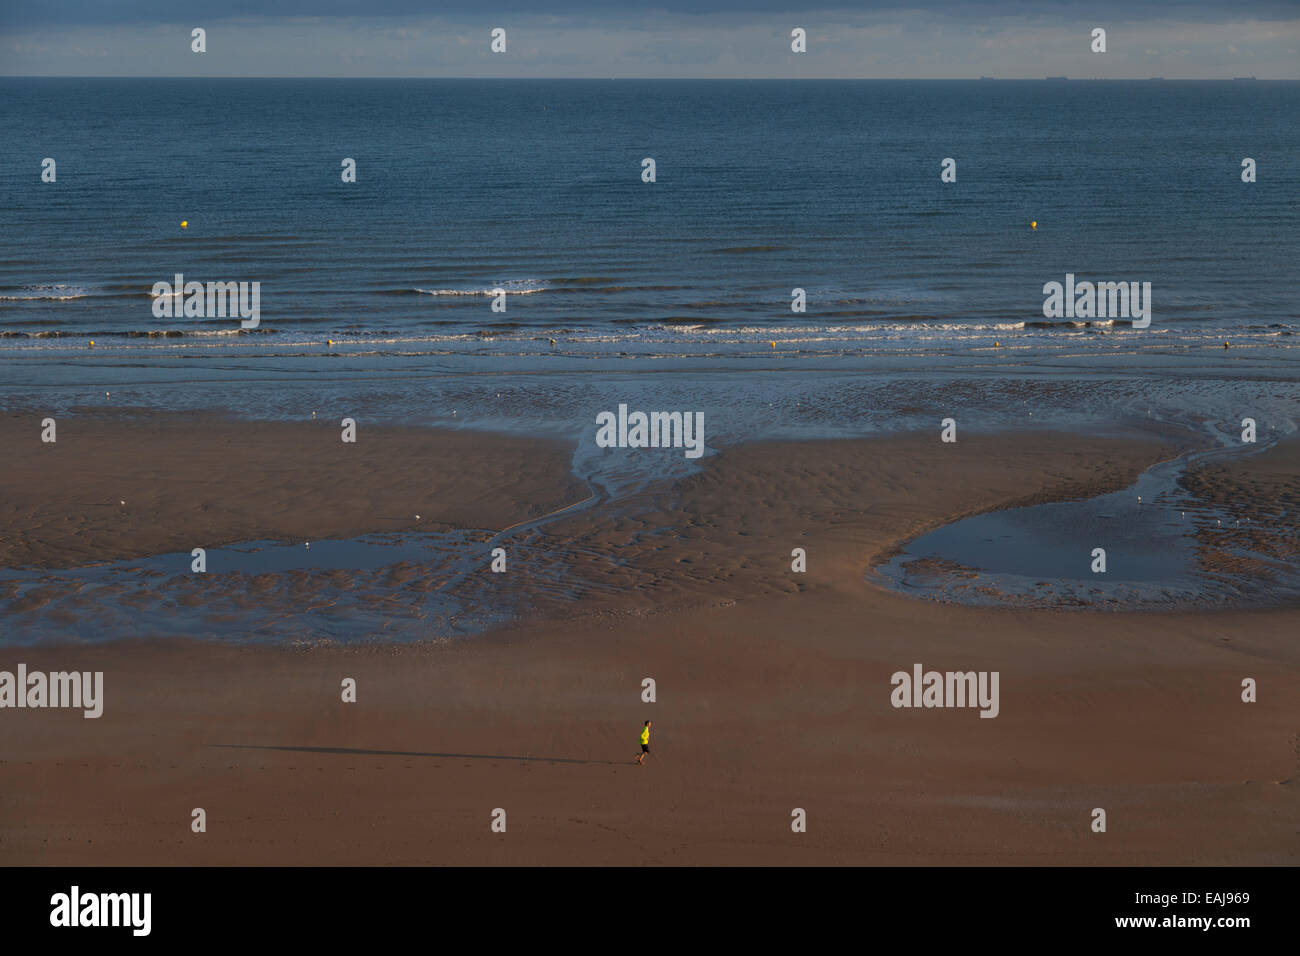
(515, 287)
(51, 293)
(872, 329)
(1076, 323)
(134, 333)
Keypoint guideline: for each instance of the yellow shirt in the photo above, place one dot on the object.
(645, 735)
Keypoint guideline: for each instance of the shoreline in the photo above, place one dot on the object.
(467, 484)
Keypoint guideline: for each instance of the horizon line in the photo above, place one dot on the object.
(695, 79)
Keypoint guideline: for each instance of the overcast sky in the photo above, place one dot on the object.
(663, 38)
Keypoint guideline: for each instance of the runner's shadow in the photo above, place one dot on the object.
(408, 753)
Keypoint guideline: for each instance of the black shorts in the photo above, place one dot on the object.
(645, 748)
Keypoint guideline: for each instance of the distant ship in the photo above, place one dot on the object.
(988, 77)
(1154, 78)
(1243, 79)
(1058, 77)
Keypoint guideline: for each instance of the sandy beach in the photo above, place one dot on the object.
(773, 687)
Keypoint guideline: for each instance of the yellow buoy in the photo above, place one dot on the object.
(997, 345)
(329, 341)
(185, 223)
(1034, 224)
(773, 345)
(92, 341)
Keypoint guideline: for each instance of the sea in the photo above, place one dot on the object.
(502, 263)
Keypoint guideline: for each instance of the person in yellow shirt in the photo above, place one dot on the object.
(645, 744)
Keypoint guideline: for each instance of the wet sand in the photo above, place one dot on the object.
(773, 688)
(203, 481)
(1262, 497)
